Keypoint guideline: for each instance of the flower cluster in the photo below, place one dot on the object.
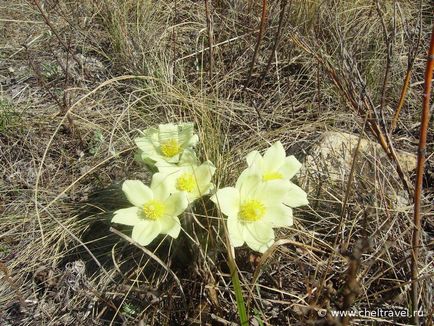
(180, 180)
(262, 199)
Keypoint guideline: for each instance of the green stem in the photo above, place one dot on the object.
(244, 320)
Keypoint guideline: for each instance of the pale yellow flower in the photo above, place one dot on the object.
(189, 177)
(253, 208)
(166, 143)
(275, 165)
(155, 210)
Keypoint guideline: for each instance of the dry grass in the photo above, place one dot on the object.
(74, 92)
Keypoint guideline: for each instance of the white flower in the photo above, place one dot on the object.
(167, 142)
(275, 165)
(155, 210)
(253, 208)
(189, 177)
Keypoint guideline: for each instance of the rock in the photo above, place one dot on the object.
(329, 163)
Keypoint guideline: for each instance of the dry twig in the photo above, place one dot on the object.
(421, 154)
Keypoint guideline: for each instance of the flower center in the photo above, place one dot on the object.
(170, 147)
(186, 182)
(154, 209)
(272, 175)
(251, 211)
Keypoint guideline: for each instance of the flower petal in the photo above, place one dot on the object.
(274, 157)
(271, 192)
(247, 184)
(174, 159)
(176, 204)
(204, 172)
(227, 200)
(127, 216)
(170, 225)
(203, 175)
(259, 236)
(279, 216)
(235, 230)
(205, 190)
(164, 166)
(188, 157)
(145, 232)
(137, 193)
(174, 232)
(290, 167)
(167, 131)
(148, 148)
(143, 158)
(162, 185)
(295, 196)
(252, 157)
(246, 173)
(193, 141)
(186, 135)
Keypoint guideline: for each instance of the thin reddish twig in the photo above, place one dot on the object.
(424, 122)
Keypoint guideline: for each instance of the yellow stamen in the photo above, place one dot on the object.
(251, 211)
(154, 209)
(186, 182)
(272, 175)
(170, 147)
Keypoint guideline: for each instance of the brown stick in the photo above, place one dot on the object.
(283, 4)
(63, 106)
(258, 40)
(424, 122)
(51, 27)
(402, 97)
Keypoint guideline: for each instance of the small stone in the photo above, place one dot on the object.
(329, 163)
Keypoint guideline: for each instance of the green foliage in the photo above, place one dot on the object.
(258, 316)
(9, 116)
(96, 142)
(241, 306)
(130, 309)
(50, 70)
